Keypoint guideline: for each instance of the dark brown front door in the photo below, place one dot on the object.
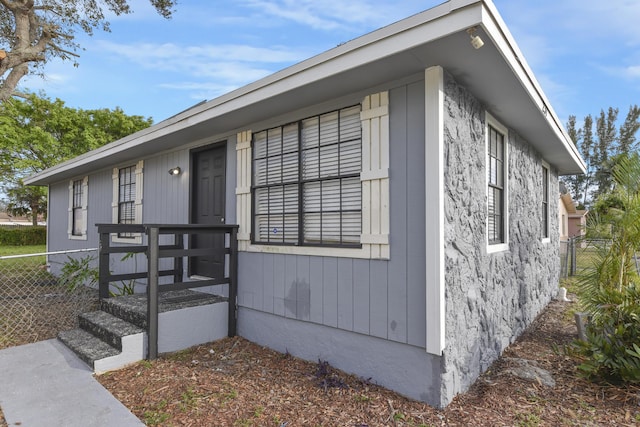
(208, 197)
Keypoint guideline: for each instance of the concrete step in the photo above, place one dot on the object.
(102, 356)
(131, 309)
(88, 347)
(107, 327)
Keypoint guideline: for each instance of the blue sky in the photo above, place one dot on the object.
(585, 54)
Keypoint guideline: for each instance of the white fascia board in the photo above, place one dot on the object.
(496, 28)
(442, 20)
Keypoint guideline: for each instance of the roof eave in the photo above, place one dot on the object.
(414, 33)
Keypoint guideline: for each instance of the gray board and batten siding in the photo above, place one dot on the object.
(381, 298)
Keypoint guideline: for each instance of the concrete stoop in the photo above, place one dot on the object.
(115, 336)
(105, 342)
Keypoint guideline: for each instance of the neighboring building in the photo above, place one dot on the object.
(572, 221)
(393, 196)
(7, 219)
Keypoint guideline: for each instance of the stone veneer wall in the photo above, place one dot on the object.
(490, 298)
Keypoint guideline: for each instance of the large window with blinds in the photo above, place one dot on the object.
(306, 181)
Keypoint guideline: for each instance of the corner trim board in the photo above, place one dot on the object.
(434, 178)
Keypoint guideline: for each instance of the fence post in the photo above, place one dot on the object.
(233, 282)
(152, 292)
(103, 266)
(572, 272)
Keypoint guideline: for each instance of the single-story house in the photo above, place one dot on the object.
(394, 197)
(572, 221)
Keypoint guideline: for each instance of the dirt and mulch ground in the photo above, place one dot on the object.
(236, 383)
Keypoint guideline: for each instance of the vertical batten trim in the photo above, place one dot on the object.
(375, 175)
(434, 180)
(243, 188)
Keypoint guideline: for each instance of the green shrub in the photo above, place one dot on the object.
(609, 291)
(82, 271)
(611, 350)
(23, 235)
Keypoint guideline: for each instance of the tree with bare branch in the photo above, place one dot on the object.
(32, 32)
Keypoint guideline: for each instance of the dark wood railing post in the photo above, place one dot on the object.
(152, 292)
(177, 261)
(103, 265)
(233, 282)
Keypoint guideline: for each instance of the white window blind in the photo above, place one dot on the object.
(306, 181)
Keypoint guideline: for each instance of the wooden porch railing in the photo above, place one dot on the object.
(176, 250)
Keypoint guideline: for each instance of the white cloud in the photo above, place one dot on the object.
(173, 56)
(631, 72)
(203, 71)
(604, 19)
(200, 90)
(329, 15)
(232, 64)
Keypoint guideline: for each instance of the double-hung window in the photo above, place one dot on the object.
(497, 186)
(127, 199)
(76, 210)
(545, 202)
(126, 195)
(78, 189)
(306, 181)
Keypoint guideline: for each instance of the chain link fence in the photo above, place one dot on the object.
(34, 305)
(579, 253)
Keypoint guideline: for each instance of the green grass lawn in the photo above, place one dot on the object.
(21, 250)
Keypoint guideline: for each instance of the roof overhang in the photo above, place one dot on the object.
(496, 74)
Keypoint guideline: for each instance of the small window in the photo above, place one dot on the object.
(126, 195)
(77, 212)
(127, 199)
(497, 186)
(78, 189)
(545, 202)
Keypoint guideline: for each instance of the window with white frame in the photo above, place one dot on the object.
(127, 199)
(545, 202)
(497, 185)
(318, 186)
(78, 189)
(306, 181)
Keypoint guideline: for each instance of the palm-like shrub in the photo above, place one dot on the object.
(610, 291)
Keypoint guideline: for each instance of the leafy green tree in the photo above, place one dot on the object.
(607, 137)
(39, 133)
(627, 142)
(600, 150)
(27, 201)
(35, 31)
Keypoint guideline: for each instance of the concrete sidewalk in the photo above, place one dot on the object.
(45, 384)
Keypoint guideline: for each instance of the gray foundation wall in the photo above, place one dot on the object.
(406, 369)
(490, 298)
